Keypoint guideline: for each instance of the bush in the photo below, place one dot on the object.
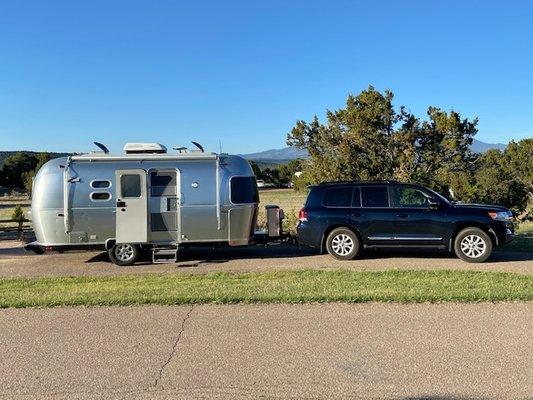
(18, 214)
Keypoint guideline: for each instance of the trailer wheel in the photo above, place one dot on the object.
(124, 254)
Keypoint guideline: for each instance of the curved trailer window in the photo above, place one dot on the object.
(243, 190)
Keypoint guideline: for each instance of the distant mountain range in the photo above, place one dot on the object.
(280, 156)
(270, 158)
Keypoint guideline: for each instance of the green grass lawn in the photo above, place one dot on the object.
(280, 287)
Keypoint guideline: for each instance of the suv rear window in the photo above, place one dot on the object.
(338, 197)
(244, 190)
(374, 196)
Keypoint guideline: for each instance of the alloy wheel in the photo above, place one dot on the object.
(342, 244)
(124, 252)
(473, 246)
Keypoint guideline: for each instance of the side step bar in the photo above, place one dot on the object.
(162, 255)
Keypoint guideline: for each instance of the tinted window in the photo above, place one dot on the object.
(409, 197)
(100, 196)
(356, 199)
(337, 197)
(130, 185)
(100, 184)
(374, 196)
(244, 190)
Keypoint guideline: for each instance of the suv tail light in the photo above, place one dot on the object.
(302, 215)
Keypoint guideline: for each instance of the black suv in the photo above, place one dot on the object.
(345, 217)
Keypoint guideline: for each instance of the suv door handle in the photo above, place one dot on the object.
(356, 215)
(121, 204)
(402, 215)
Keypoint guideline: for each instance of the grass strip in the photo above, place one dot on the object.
(299, 286)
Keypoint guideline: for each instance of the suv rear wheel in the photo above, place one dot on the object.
(343, 244)
(473, 245)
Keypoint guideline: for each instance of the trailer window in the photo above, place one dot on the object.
(244, 190)
(100, 184)
(130, 185)
(100, 196)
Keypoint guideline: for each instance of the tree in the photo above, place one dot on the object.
(14, 167)
(495, 183)
(443, 150)
(27, 177)
(370, 140)
(287, 171)
(355, 142)
(255, 168)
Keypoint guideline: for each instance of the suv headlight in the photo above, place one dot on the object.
(501, 215)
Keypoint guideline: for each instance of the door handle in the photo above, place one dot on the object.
(402, 215)
(356, 215)
(121, 204)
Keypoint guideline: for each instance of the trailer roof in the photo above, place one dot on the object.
(138, 157)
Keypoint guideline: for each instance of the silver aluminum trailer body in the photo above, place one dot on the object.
(148, 199)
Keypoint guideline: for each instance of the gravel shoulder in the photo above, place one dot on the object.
(14, 262)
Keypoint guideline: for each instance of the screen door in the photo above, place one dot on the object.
(131, 206)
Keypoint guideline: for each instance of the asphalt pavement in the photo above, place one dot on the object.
(315, 351)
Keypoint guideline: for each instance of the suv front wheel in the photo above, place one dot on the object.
(343, 244)
(473, 245)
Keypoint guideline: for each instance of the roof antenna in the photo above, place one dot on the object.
(102, 147)
(199, 146)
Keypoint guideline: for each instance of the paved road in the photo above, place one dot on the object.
(373, 350)
(15, 262)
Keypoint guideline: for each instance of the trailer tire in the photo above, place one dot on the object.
(124, 254)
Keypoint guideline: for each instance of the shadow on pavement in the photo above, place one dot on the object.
(196, 256)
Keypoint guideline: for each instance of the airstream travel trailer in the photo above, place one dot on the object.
(145, 199)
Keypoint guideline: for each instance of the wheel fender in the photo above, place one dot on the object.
(109, 243)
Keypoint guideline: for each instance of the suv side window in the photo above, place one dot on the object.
(374, 196)
(337, 196)
(405, 196)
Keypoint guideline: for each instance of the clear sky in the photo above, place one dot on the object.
(72, 72)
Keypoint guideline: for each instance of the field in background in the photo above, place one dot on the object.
(289, 200)
(8, 204)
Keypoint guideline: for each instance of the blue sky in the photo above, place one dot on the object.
(72, 72)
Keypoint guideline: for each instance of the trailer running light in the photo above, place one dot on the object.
(302, 215)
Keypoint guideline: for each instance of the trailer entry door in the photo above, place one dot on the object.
(131, 206)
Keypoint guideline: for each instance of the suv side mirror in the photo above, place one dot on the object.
(433, 204)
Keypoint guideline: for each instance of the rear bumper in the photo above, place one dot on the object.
(308, 235)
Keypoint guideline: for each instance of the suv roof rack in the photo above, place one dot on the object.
(328, 183)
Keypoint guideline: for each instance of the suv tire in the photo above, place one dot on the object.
(472, 245)
(124, 254)
(343, 244)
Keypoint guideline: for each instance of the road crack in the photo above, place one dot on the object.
(174, 348)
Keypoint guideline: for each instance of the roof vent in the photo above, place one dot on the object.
(144, 148)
